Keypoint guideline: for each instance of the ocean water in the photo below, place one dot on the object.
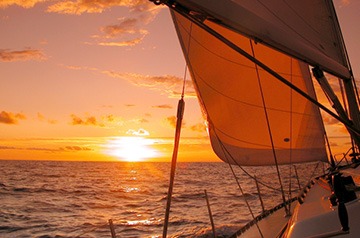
(77, 199)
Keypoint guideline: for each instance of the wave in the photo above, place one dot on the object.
(68, 199)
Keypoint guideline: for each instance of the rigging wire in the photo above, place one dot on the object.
(269, 130)
(245, 199)
(332, 161)
(290, 131)
(346, 107)
(263, 66)
(313, 172)
(227, 154)
(209, 120)
(341, 85)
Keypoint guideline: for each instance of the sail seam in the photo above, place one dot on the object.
(225, 59)
(246, 103)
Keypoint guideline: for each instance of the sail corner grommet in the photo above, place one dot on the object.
(157, 2)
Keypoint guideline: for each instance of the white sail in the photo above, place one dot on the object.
(234, 93)
(306, 29)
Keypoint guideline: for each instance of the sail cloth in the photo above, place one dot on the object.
(233, 93)
(306, 29)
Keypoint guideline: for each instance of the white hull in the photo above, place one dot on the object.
(315, 216)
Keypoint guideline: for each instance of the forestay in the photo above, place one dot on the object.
(234, 93)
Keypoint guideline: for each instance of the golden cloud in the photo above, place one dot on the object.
(102, 121)
(21, 3)
(21, 55)
(126, 26)
(8, 148)
(93, 6)
(200, 127)
(77, 148)
(172, 120)
(11, 118)
(87, 121)
(128, 32)
(139, 132)
(132, 42)
(168, 84)
(42, 118)
(163, 106)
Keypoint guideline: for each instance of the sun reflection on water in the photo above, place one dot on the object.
(145, 222)
(129, 189)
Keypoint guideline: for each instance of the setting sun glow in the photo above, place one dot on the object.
(131, 149)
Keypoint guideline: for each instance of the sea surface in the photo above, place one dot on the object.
(77, 199)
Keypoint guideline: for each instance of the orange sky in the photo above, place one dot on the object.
(78, 78)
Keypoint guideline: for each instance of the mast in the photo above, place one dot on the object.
(351, 100)
(349, 85)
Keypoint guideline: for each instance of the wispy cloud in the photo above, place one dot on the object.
(132, 42)
(11, 118)
(43, 149)
(21, 3)
(21, 55)
(128, 31)
(7, 147)
(77, 148)
(42, 118)
(200, 127)
(72, 148)
(142, 120)
(163, 106)
(139, 132)
(172, 121)
(78, 7)
(168, 84)
(110, 118)
(126, 26)
(77, 67)
(101, 121)
(87, 121)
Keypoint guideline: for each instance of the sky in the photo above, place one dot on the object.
(100, 81)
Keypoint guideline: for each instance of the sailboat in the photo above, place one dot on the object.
(254, 64)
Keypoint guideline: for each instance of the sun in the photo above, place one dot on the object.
(131, 148)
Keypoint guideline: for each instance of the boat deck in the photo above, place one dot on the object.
(271, 223)
(313, 216)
